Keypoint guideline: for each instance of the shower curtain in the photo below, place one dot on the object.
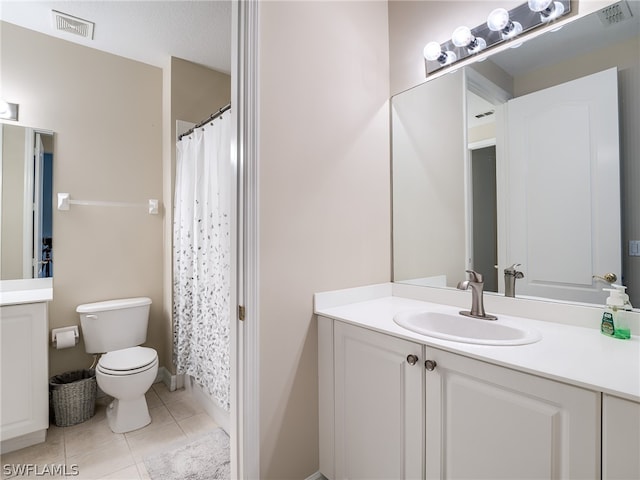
(201, 257)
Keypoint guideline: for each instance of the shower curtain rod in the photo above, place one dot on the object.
(213, 116)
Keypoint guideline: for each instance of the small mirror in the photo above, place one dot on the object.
(27, 199)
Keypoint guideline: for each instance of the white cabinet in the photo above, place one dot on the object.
(373, 426)
(490, 422)
(620, 438)
(383, 418)
(24, 397)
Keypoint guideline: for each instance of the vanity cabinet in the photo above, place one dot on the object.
(372, 404)
(24, 397)
(382, 417)
(488, 422)
(620, 438)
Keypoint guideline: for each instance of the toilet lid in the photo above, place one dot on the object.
(128, 358)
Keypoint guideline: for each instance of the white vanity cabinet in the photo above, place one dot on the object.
(24, 397)
(488, 422)
(620, 438)
(372, 404)
(382, 417)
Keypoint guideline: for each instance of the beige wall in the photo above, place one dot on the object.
(324, 199)
(106, 114)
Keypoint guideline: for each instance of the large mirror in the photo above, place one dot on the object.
(529, 158)
(26, 159)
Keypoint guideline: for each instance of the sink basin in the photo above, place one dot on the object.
(457, 328)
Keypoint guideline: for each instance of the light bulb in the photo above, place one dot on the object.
(5, 109)
(461, 37)
(548, 9)
(539, 5)
(498, 21)
(432, 51)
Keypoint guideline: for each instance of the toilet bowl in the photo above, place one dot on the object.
(126, 375)
(125, 371)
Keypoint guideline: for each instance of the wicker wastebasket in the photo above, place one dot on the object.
(73, 397)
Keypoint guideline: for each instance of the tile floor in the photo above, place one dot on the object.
(101, 454)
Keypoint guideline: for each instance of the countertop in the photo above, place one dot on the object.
(32, 290)
(571, 354)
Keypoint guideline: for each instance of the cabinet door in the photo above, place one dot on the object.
(24, 404)
(378, 405)
(489, 422)
(620, 439)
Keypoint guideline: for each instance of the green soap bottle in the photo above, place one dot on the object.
(614, 319)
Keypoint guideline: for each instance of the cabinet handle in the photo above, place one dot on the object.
(430, 365)
(412, 359)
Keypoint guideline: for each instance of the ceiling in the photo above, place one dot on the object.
(147, 31)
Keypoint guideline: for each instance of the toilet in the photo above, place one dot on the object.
(125, 371)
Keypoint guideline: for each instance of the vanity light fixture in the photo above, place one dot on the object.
(549, 9)
(433, 52)
(462, 37)
(499, 21)
(501, 26)
(8, 111)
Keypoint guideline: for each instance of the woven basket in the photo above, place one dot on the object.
(73, 397)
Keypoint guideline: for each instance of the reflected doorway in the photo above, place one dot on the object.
(484, 220)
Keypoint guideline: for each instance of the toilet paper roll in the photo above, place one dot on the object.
(65, 340)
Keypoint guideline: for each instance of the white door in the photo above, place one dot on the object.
(563, 188)
(378, 405)
(489, 422)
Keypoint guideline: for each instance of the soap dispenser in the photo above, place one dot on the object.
(614, 319)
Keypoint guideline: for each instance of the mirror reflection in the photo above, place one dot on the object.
(27, 196)
(515, 168)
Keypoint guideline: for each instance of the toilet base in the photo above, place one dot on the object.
(127, 415)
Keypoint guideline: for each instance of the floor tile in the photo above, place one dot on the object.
(84, 440)
(154, 440)
(183, 407)
(110, 458)
(197, 425)
(98, 453)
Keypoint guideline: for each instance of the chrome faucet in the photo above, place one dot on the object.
(476, 283)
(510, 276)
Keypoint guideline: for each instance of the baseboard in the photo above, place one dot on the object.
(218, 414)
(316, 476)
(23, 441)
(173, 382)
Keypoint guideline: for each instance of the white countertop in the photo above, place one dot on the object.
(572, 354)
(31, 290)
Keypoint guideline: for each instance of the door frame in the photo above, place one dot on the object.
(245, 381)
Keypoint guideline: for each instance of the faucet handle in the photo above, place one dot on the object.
(475, 276)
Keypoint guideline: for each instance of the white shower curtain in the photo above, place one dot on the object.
(201, 257)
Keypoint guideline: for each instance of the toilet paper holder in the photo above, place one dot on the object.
(58, 331)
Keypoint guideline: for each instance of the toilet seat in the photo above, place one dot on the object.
(128, 361)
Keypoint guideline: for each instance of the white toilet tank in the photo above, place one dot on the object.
(114, 324)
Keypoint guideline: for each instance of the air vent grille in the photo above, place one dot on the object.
(485, 114)
(615, 13)
(70, 24)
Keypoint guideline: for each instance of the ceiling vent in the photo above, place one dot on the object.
(71, 24)
(615, 13)
(485, 114)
